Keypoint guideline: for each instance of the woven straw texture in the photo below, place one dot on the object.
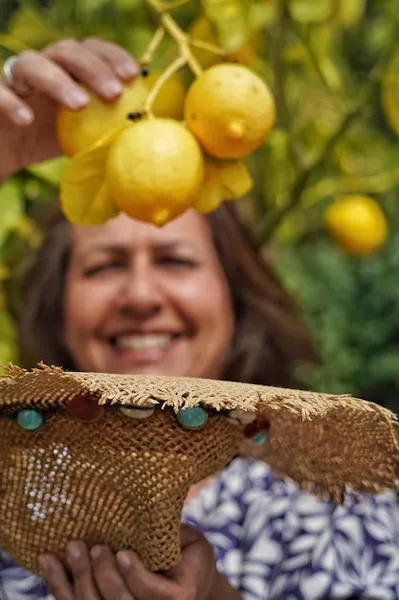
(123, 482)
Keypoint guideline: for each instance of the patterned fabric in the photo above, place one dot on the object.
(274, 542)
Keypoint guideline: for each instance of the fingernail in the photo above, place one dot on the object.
(23, 116)
(73, 550)
(96, 551)
(77, 99)
(128, 70)
(124, 560)
(112, 88)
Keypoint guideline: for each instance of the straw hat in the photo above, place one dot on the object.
(110, 458)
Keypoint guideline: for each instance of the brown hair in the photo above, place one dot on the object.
(269, 338)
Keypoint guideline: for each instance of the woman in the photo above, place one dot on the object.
(128, 297)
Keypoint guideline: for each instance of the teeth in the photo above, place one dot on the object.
(143, 342)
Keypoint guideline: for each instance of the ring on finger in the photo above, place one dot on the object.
(19, 88)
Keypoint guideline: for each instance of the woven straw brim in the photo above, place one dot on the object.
(123, 482)
(324, 442)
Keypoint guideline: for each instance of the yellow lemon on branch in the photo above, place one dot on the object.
(357, 224)
(230, 110)
(154, 170)
(78, 131)
(169, 101)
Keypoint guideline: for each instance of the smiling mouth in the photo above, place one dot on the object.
(144, 342)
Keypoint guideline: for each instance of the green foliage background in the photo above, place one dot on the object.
(334, 70)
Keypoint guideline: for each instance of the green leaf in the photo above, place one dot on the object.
(50, 171)
(11, 207)
(349, 12)
(29, 26)
(366, 152)
(390, 94)
(306, 11)
(127, 4)
(136, 39)
(276, 172)
(4, 274)
(8, 338)
(230, 18)
(11, 44)
(89, 6)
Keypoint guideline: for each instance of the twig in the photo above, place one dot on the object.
(267, 228)
(212, 48)
(177, 64)
(183, 42)
(181, 38)
(278, 68)
(153, 46)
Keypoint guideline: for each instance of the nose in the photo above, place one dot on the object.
(141, 294)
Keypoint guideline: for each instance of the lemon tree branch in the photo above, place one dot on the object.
(268, 227)
(182, 40)
(153, 46)
(279, 76)
(207, 46)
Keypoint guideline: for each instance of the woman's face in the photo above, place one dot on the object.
(145, 300)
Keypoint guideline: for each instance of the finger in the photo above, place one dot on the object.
(108, 578)
(42, 74)
(13, 107)
(197, 568)
(142, 583)
(120, 61)
(87, 67)
(197, 557)
(56, 578)
(78, 559)
(189, 535)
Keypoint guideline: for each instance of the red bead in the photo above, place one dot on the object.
(260, 425)
(85, 408)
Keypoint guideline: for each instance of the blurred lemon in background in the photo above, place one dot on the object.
(357, 224)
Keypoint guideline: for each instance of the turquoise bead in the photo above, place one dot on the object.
(192, 418)
(30, 419)
(260, 438)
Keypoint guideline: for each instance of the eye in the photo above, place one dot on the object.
(176, 261)
(102, 268)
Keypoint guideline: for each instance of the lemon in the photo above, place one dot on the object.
(230, 110)
(78, 131)
(169, 101)
(154, 170)
(357, 224)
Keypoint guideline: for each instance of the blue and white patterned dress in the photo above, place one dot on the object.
(274, 542)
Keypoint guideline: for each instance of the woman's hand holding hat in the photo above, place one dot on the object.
(100, 575)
